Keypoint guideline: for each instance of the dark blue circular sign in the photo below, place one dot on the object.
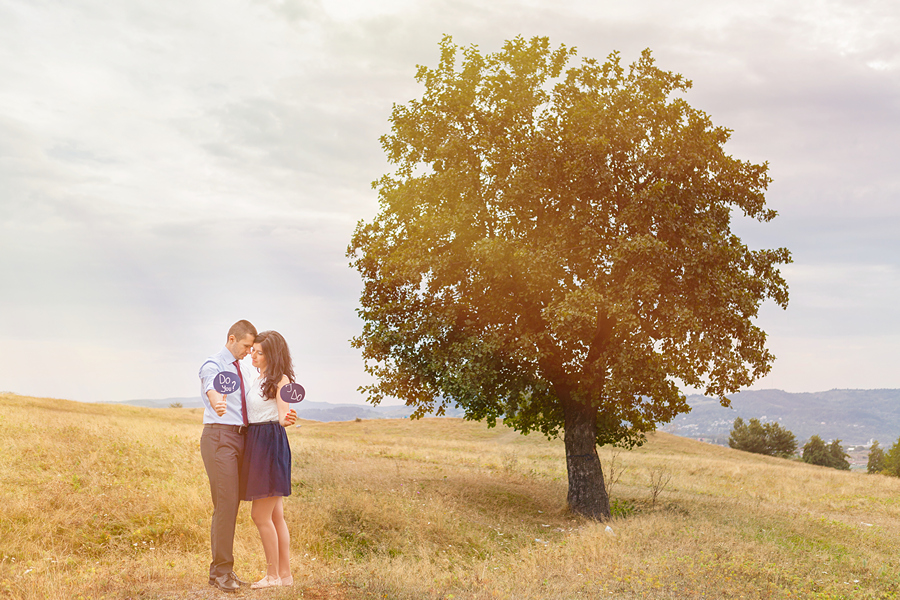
(293, 393)
(227, 382)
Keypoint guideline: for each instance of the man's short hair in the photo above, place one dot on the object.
(242, 329)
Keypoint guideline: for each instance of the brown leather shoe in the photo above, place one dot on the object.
(225, 583)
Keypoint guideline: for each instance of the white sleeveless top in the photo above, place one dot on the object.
(260, 410)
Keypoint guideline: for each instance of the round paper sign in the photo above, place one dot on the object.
(293, 393)
(227, 382)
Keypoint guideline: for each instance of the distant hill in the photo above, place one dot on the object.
(313, 411)
(192, 402)
(854, 416)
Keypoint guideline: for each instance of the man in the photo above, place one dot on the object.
(222, 448)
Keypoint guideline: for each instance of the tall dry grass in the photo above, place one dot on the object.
(103, 501)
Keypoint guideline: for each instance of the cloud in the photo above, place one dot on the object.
(166, 169)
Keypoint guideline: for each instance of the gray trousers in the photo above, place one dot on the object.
(222, 451)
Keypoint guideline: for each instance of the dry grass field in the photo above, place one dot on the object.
(109, 501)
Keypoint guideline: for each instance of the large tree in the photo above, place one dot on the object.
(554, 249)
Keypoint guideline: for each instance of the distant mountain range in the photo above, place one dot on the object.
(853, 416)
(313, 411)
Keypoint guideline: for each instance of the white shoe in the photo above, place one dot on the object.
(267, 581)
(286, 581)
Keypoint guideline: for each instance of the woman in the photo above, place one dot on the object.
(266, 470)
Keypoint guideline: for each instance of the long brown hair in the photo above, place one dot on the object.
(278, 362)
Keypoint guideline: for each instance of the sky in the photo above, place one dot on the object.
(167, 168)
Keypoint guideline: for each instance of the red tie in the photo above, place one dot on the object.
(243, 397)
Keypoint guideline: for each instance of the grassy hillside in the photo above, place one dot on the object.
(111, 501)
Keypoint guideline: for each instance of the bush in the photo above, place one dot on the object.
(770, 439)
(815, 452)
(876, 459)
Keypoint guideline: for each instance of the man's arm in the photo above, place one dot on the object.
(216, 401)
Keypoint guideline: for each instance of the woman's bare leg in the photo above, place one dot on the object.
(262, 512)
(284, 540)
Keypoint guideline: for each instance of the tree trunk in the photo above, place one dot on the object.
(587, 490)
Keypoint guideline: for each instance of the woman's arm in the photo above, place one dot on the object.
(286, 415)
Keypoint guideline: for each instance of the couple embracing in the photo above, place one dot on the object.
(245, 450)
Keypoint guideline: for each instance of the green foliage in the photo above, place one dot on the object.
(556, 237)
(838, 456)
(892, 460)
(622, 509)
(770, 439)
(876, 459)
(815, 452)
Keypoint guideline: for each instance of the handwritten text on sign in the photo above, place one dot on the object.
(226, 383)
(293, 392)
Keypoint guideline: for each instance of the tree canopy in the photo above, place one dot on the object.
(554, 248)
(892, 460)
(770, 439)
(876, 463)
(816, 452)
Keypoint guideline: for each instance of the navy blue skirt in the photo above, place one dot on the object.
(266, 469)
